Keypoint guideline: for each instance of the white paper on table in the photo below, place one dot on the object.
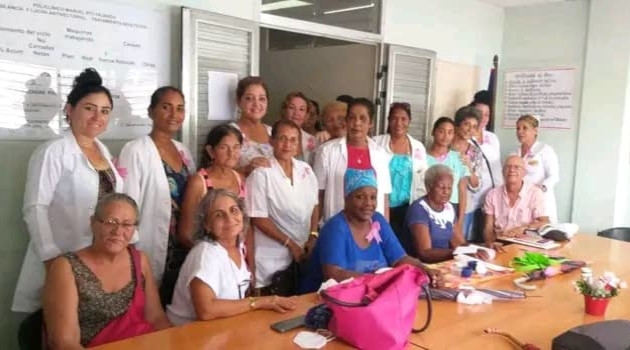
(490, 266)
(222, 95)
(472, 249)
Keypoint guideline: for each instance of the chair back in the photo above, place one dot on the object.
(618, 233)
(30, 332)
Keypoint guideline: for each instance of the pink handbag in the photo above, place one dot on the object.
(377, 311)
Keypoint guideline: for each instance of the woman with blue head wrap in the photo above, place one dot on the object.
(358, 239)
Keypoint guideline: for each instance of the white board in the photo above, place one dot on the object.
(547, 93)
(45, 44)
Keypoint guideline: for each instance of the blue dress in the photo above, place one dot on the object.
(336, 246)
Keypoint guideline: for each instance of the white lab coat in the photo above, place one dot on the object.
(331, 162)
(60, 196)
(146, 182)
(288, 203)
(543, 169)
(418, 159)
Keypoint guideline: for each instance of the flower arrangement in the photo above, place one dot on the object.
(601, 287)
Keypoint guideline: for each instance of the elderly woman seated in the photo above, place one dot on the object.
(358, 239)
(429, 231)
(104, 292)
(214, 279)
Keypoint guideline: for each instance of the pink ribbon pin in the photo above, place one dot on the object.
(185, 160)
(311, 144)
(121, 170)
(374, 233)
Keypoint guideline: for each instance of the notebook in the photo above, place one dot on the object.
(532, 240)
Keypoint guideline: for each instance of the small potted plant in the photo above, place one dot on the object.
(597, 291)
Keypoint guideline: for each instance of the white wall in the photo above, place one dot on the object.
(460, 31)
(602, 169)
(551, 35)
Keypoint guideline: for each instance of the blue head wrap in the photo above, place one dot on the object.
(355, 179)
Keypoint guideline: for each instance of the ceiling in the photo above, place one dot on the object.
(516, 3)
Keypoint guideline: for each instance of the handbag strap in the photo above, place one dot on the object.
(364, 301)
(427, 292)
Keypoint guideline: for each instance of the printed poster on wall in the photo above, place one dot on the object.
(45, 44)
(547, 93)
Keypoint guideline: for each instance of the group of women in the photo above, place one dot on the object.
(116, 241)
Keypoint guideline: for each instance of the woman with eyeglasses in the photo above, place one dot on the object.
(106, 291)
(407, 165)
(156, 169)
(222, 152)
(282, 203)
(214, 279)
(64, 180)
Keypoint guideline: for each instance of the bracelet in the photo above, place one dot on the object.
(252, 303)
(314, 234)
(286, 243)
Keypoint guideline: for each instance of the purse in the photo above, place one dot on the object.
(377, 311)
(285, 282)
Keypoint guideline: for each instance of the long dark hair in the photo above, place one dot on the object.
(214, 138)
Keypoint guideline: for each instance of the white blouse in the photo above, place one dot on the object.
(309, 144)
(252, 149)
(270, 194)
(210, 263)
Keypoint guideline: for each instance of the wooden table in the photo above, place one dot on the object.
(535, 320)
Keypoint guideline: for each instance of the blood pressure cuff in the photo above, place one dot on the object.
(607, 335)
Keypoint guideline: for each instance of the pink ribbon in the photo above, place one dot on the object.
(311, 144)
(121, 170)
(374, 233)
(185, 160)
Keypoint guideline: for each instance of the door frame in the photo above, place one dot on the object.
(332, 32)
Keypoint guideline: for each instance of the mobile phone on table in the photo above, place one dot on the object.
(287, 325)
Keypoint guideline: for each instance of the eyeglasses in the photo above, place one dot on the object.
(113, 224)
(244, 285)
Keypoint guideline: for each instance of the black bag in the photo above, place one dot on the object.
(607, 335)
(285, 282)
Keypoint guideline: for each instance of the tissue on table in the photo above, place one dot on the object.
(473, 298)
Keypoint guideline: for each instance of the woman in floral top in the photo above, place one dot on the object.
(156, 169)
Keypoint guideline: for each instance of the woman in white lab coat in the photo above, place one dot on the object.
(156, 169)
(65, 178)
(541, 161)
(282, 204)
(407, 165)
(354, 151)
